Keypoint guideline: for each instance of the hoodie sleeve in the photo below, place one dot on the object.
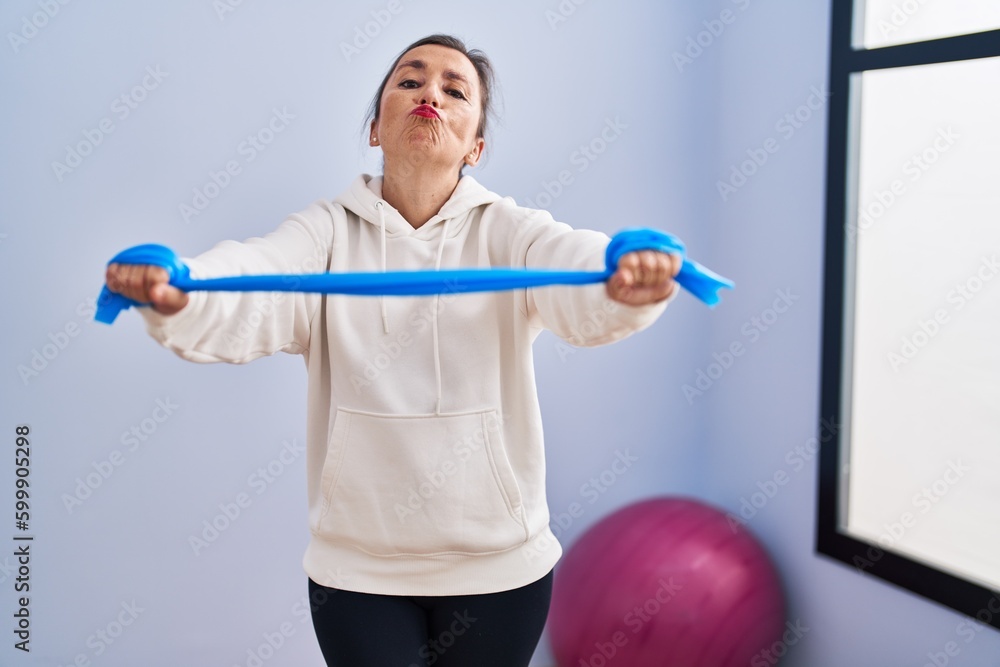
(581, 315)
(237, 327)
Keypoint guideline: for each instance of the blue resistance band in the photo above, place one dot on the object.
(700, 281)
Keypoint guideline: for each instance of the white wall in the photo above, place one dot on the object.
(222, 78)
(561, 82)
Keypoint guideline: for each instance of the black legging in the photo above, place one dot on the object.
(490, 630)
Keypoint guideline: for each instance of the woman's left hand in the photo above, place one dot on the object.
(644, 277)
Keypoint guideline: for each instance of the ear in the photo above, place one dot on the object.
(373, 134)
(473, 156)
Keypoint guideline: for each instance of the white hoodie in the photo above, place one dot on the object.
(425, 463)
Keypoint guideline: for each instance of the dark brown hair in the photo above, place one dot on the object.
(484, 68)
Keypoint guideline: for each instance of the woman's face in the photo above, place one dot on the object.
(429, 115)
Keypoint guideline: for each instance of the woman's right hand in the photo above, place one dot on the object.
(146, 283)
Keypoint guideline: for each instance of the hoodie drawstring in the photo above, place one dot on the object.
(381, 217)
(437, 315)
(380, 205)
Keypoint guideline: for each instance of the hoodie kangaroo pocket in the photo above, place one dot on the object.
(420, 485)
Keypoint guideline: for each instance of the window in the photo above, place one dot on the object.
(910, 486)
(888, 22)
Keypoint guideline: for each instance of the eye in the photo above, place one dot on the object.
(454, 92)
(406, 83)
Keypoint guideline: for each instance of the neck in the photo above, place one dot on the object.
(417, 193)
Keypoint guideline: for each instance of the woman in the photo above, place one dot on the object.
(426, 476)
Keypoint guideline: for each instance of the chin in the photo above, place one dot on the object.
(422, 148)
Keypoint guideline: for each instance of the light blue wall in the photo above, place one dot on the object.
(765, 407)
(222, 78)
(561, 82)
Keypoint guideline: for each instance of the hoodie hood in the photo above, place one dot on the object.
(364, 198)
(366, 191)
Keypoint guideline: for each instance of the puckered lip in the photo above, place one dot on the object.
(425, 110)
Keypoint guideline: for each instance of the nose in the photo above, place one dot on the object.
(429, 96)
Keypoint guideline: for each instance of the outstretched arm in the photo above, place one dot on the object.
(229, 326)
(631, 300)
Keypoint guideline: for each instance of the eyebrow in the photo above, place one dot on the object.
(420, 64)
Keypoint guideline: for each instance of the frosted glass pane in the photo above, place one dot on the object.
(924, 401)
(887, 22)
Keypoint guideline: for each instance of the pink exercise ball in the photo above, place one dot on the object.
(666, 582)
